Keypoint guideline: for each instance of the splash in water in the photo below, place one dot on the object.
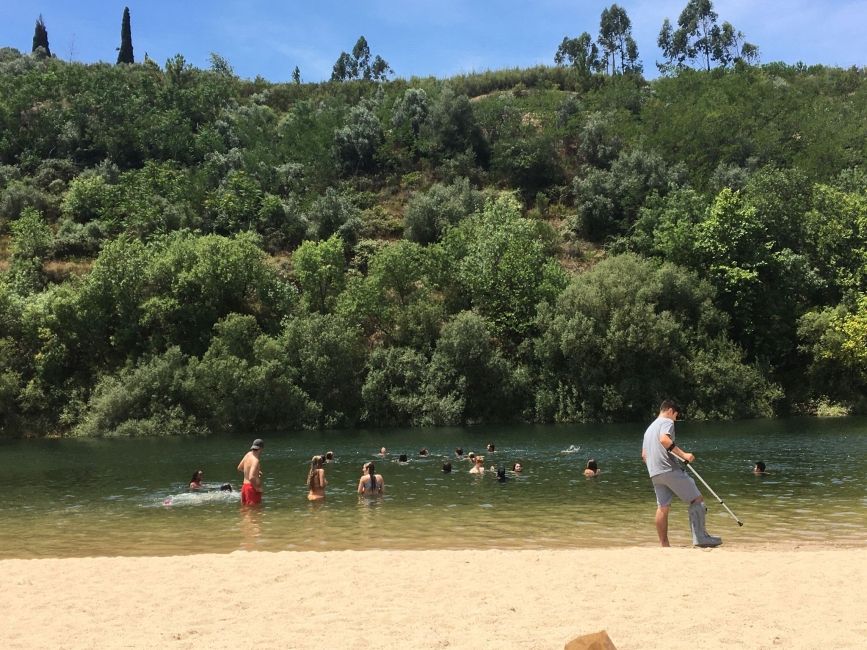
(571, 449)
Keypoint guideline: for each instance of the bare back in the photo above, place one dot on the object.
(365, 487)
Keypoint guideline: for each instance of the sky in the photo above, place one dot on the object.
(438, 38)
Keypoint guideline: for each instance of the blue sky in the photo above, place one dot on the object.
(417, 37)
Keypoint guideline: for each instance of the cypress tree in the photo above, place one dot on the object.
(125, 53)
(40, 36)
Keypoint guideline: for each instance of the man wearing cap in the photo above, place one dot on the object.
(251, 491)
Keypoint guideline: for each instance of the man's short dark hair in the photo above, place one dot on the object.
(669, 404)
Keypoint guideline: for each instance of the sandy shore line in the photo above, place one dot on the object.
(643, 597)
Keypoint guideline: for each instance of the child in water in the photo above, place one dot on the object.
(592, 469)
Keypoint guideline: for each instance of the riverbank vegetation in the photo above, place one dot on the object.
(185, 251)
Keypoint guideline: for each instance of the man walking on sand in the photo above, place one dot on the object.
(251, 491)
(659, 452)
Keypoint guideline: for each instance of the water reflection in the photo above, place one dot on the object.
(251, 527)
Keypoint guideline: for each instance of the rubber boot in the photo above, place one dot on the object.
(700, 537)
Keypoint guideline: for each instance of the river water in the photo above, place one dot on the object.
(69, 498)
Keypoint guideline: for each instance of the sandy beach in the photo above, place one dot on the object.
(643, 597)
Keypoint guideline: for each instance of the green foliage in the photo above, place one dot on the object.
(699, 38)
(429, 214)
(396, 301)
(615, 38)
(326, 356)
(501, 266)
(319, 268)
(40, 36)
(125, 53)
(125, 190)
(355, 144)
(393, 390)
(631, 331)
(607, 201)
(469, 379)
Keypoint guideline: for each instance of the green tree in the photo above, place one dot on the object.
(628, 332)
(296, 75)
(361, 56)
(581, 53)
(356, 143)
(125, 53)
(615, 39)
(319, 268)
(501, 267)
(396, 301)
(698, 37)
(40, 36)
(429, 214)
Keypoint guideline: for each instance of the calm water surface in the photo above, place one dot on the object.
(66, 498)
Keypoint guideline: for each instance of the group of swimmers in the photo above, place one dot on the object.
(369, 484)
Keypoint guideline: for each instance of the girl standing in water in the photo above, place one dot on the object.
(371, 484)
(316, 480)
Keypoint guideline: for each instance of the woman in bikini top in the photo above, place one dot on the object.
(371, 484)
(316, 479)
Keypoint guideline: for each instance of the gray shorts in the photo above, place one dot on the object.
(678, 482)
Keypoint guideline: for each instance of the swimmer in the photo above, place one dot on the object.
(471, 457)
(478, 466)
(383, 451)
(251, 490)
(759, 468)
(447, 467)
(517, 468)
(316, 479)
(402, 459)
(226, 487)
(459, 452)
(423, 452)
(501, 474)
(491, 447)
(371, 484)
(592, 469)
(196, 481)
(329, 456)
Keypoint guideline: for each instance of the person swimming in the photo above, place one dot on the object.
(371, 484)
(501, 474)
(403, 459)
(491, 447)
(316, 479)
(329, 456)
(759, 468)
(423, 452)
(478, 466)
(459, 452)
(196, 480)
(447, 467)
(592, 468)
(517, 468)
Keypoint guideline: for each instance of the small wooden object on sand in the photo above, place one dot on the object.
(595, 641)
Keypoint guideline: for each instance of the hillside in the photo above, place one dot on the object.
(186, 251)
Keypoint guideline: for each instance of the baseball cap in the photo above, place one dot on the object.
(258, 443)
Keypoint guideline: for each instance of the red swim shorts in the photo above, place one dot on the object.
(250, 496)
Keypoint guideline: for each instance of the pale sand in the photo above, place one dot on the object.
(644, 597)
